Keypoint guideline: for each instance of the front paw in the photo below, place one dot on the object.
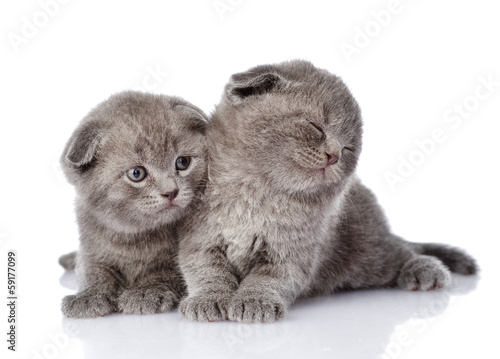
(424, 273)
(205, 308)
(147, 300)
(88, 304)
(261, 308)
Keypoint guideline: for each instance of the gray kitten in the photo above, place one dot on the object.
(284, 215)
(138, 164)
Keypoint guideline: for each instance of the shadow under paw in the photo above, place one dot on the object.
(147, 301)
(424, 273)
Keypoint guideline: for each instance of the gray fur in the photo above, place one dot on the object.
(276, 224)
(68, 261)
(127, 259)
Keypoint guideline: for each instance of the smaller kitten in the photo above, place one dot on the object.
(138, 164)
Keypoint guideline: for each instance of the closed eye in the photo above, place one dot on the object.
(320, 130)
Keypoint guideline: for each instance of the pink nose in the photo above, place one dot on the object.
(171, 195)
(332, 159)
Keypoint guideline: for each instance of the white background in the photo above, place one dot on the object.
(409, 74)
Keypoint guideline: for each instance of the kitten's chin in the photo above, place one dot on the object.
(170, 214)
(314, 182)
(324, 176)
(144, 222)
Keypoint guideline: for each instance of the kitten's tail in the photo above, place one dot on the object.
(68, 261)
(456, 259)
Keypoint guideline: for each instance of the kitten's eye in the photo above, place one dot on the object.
(137, 174)
(182, 163)
(320, 130)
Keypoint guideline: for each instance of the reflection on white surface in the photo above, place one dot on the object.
(357, 324)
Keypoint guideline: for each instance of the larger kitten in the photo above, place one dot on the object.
(285, 215)
(138, 164)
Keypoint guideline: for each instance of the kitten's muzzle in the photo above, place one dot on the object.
(171, 194)
(332, 158)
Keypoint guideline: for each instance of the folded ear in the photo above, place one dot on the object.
(196, 118)
(256, 81)
(82, 145)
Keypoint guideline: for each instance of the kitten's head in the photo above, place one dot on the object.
(138, 160)
(297, 126)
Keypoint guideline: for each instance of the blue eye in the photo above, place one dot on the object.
(137, 174)
(182, 163)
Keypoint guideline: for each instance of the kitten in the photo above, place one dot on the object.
(284, 215)
(138, 164)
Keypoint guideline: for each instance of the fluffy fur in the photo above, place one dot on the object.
(284, 215)
(123, 160)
